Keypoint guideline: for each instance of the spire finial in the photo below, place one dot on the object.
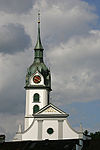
(38, 16)
(38, 44)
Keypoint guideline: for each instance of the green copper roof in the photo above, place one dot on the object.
(38, 65)
(38, 44)
(42, 69)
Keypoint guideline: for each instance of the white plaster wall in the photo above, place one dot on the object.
(27, 103)
(30, 121)
(30, 104)
(50, 124)
(68, 132)
(29, 100)
(32, 133)
(27, 123)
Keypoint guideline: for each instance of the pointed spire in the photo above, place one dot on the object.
(81, 128)
(38, 44)
(19, 128)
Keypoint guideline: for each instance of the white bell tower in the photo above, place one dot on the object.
(38, 83)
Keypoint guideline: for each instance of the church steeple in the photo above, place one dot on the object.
(38, 44)
(38, 65)
(38, 56)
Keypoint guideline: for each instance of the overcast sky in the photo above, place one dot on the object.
(70, 33)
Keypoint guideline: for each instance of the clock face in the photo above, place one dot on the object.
(36, 79)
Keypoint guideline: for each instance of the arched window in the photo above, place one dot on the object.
(36, 97)
(35, 109)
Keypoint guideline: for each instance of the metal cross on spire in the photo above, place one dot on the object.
(38, 44)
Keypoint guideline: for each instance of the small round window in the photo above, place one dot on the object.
(50, 131)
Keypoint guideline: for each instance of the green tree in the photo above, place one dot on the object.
(86, 132)
(95, 135)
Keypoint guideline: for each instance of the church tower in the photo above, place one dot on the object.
(43, 120)
(38, 82)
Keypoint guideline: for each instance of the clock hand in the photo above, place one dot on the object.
(37, 79)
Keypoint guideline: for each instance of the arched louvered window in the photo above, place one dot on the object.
(35, 109)
(36, 97)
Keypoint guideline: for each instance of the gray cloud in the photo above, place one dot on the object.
(9, 124)
(13, 38)
(64, 19)
(16, 6)
(73, 66)
(12, 74)
(13, 102)
(77, 69)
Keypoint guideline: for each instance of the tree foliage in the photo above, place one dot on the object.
(86, 132)
(95, 135)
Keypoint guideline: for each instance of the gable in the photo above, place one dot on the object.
(50, 110)
(40, 76)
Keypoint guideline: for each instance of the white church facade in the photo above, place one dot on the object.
(43, 120)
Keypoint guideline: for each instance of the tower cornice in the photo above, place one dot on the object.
(38, 87)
